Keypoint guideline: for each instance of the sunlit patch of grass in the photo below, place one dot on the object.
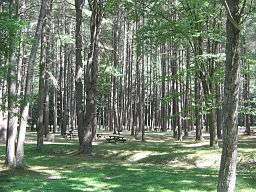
(141, 155)
(45, 170)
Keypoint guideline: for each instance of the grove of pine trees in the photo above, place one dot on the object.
(185, 68)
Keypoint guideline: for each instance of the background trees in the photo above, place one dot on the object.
(134, 66)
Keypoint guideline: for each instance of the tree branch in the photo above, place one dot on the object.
(230, 16)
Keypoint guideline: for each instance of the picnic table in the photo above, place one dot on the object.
(70, 134)
(99, 135)
(156, 129)
(115, 139)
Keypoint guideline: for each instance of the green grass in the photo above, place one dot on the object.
(159, 165)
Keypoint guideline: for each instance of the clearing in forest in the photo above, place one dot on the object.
(159, 164)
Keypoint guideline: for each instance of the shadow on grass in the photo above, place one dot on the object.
(118, 178)
(22, 179)
(247, 143)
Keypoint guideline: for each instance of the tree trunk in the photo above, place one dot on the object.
(211, 120)
(32, 58)
(163, 88)
(40, 124)
(114, 78)
(198, 116)
(91, 79)
(79, 72)
(12, 122)
(13, 110)
(219, 111)
(246, 94)
(187, 95)
(44, 63)
(48, 60)
(227, 173)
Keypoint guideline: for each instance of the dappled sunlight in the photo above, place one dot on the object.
(45, 170)
(208, 161)
(97, 143)
(139, 155)
(155, 141)
(177, 164)
(119, 153)
(167, 166)
(186, 181)
(91, 184)
(246, 150)
(129, 168)
(196, 144)
(205, 159)
(58, 143)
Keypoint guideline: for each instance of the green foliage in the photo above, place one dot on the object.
(112, 6)
(179, 23)
(248, 107)
(9, 33)
(104, 82)
(3, 71)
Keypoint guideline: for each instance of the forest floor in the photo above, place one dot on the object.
(158, 165)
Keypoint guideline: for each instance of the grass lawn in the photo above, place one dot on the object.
(159, 165)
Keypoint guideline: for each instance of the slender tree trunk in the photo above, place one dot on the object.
(198, 116)
(55, 111)
(40, 125)
(43, 75)
(163, 88)
(211, 120)
(79, 72)
(114, 78)
(219, 111)
(32, 58)
(142, 100)
(186, 97)
(12, 122)
(176, 100)
(48, 60)
(246, 93)
(61, 96)
(179, 90)
(65, 119)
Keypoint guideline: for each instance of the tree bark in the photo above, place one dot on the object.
(32, 58)
(246, 92)
(91, 79)
(198, 116)
(12, 121)
(227, 173)
(79, 72)
(163, 88)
